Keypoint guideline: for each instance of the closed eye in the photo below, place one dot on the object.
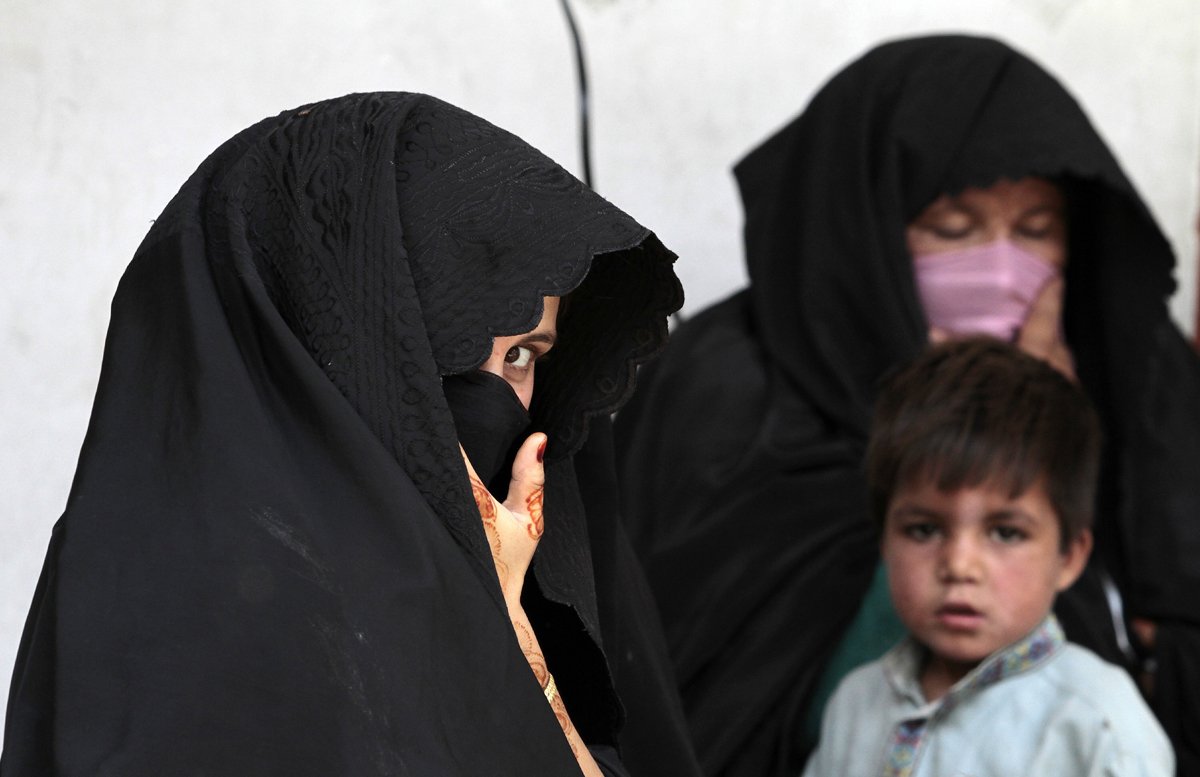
(1038, 233)
(1040, 223)
(949, 222)
(947, 232)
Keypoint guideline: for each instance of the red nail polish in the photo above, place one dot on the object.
(541, 451)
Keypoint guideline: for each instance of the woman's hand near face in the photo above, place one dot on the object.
(1042, 335)
(513, 529)
(515, 526)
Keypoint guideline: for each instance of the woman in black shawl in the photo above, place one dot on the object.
(742, 452)
(271, 561)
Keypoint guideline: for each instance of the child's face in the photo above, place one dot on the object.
(972, 570)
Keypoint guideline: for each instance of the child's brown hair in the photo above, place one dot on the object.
(979, 411)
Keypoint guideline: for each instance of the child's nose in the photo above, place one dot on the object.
(960, 560)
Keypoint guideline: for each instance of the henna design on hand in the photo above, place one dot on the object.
(483, 500)
(533, 503)
(487, 511)
(532, 651)
(537, 662)
(564, 722)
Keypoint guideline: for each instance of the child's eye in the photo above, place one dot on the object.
(1008, 534)
(919, 531)
(519, 356)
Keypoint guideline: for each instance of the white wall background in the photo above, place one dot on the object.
(108, 107)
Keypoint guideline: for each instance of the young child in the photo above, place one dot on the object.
(982, 465)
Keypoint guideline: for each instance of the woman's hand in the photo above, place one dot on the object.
(1042, 335)
(515, 526)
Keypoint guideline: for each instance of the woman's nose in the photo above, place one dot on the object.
(996, 230)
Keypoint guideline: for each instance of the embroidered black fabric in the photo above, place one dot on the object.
(271, 562)
(742, 452)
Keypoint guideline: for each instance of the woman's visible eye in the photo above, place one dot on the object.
(947, 223)
(1040, 227)
(519, 356)
(1035, 233)
(951, 231)
(919, 531)
(1009, 535)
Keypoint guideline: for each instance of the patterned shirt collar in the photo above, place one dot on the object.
(902, 666)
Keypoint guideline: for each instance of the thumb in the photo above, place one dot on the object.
(528, 482)
(1043, 322)
(938, 335)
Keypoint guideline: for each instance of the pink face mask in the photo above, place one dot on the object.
(985, 289)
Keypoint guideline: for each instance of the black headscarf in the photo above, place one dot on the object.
(742, 452)
(271, 561)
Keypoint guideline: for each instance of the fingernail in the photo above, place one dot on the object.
(541, 451)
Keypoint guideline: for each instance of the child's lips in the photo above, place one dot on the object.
(959, 615)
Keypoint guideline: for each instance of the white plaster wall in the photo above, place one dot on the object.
(107, 107)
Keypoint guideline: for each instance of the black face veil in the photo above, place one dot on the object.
(271, 562)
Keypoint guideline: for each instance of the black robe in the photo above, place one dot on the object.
(742, 452)
(271, 562)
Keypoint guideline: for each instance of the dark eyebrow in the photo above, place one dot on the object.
(1043, 208)
(950, 204)
(549, 338)
(1020, 516)
(915, 511)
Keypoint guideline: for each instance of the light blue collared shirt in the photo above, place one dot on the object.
(1040, 706)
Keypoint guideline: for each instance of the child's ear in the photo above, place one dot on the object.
(1075, 559)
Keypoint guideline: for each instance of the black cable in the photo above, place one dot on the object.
(585, 145)
(584, 114)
